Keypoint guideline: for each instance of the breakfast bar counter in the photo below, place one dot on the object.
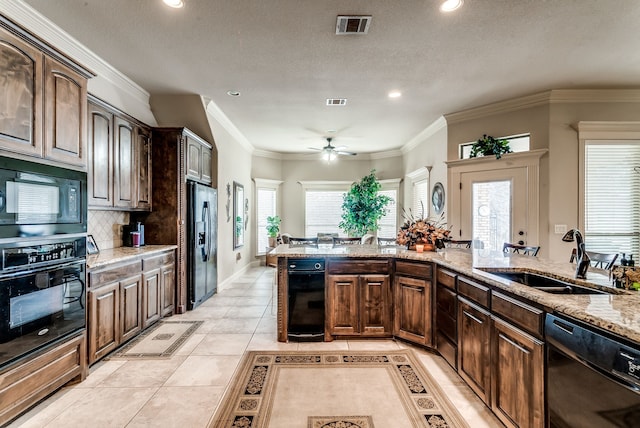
(616, 311)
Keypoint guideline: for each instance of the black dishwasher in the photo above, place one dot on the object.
(306, 299)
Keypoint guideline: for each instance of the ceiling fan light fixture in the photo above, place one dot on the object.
(450, 5)
(395, 94)
(329, 156)
(176, 4)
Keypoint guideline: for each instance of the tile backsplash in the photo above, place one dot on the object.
(106, 227)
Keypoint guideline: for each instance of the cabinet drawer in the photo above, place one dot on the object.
(527, 317)
(477, 292)
(111, 274)
(157, 261)
(446, 325)
(446, 278)
(447, 349)
(420, 270)
(446, 301)
(355, 266)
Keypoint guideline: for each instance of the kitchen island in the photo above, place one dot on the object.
(490, 329)
(616, 311)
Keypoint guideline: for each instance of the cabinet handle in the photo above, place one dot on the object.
(476, 319)
(512, 343)
(413, 287)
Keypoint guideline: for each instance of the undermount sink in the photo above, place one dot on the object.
(545, 283)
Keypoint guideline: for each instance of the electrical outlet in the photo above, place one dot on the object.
(560, 229)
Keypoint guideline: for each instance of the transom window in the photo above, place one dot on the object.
(517, 143)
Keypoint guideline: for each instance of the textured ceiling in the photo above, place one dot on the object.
(285, 59)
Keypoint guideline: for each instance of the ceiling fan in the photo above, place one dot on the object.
(330, 152)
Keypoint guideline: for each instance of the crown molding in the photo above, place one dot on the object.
(519, 103)
(386, 154)
(267, 154)
(213, 109)
(27, 17)
(430, 130)
(594, 96)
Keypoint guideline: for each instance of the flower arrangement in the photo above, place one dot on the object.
(419, 230)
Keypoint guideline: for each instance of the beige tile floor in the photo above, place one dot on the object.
(184, 391)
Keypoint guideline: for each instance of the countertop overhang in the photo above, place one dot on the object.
(121, 254)
(617, 312)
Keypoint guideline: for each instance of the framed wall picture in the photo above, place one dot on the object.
(92, 247)
(238, 215)
(437, 198)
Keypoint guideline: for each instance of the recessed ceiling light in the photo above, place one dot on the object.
(176, 4)
(233, 93)
(395, 94)
(450, 5)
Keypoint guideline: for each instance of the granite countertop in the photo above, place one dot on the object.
(119, 254)
(617, 312)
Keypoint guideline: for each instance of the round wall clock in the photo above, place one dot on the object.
(437, 198)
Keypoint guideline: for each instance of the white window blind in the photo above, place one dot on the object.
(387, 227)
(612, 201)
(266, 207)
(420, 198)
(323, 211)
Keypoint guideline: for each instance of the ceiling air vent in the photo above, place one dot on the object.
(336, 101)
(353, 24)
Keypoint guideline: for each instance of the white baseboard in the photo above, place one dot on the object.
(227, 282)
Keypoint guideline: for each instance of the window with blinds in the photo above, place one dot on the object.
(420, 198)
(323, 213)
(266, 207)
(612, 202)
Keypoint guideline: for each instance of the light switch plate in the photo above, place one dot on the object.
(560, 229)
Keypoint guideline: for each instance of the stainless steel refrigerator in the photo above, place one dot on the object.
(202, 251)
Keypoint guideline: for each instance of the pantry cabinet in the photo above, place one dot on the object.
(43, 108)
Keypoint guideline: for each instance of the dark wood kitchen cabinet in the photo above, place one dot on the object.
(473, 347)
(119, 150)
(166, 224)
(198, 162)
(126, 298)
(359, 304)
(412, 302)
(446, 309)
(43, 107)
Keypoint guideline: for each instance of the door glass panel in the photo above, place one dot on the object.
(491, 212)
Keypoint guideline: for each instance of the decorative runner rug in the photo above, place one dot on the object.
(338, 389)
(158, 341)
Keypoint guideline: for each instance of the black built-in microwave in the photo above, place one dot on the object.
(41, 200)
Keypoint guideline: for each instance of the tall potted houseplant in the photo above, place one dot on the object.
(363, 206)
(273, 228)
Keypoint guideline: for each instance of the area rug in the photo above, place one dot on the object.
(338, 389)
(159, 341)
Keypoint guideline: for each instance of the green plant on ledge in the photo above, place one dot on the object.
(487, 145)
(363, 206)
(273, 226)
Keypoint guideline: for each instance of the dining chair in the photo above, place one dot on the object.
(368, 239)
(342, 242)
(463, 243)
(387, 242)
(527, 250)
(598, 260)
(303, 242)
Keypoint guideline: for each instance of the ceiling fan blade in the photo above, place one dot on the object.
(339, 148)
(340, 152)
(315, 148)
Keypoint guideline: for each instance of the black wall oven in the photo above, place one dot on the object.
(42, 294)
(39, 200)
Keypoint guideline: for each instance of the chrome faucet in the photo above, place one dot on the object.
(582, 258)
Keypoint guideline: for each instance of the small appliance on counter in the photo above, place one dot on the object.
(133, 235)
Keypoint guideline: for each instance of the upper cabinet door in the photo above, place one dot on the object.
(194, 157)
(100, 148)
(124, 164)
(65, 113)
(143, 167)
(206, 165)
(21, 100)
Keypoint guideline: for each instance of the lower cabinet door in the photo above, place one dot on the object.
(168, 287)
(151, 293)
(130, 314)
(517, 374)
(412, 309)
(473, 347)
(104, 321)
(375, 305)
(343, 311)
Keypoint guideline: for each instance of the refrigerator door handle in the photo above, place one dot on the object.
(207, 231)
